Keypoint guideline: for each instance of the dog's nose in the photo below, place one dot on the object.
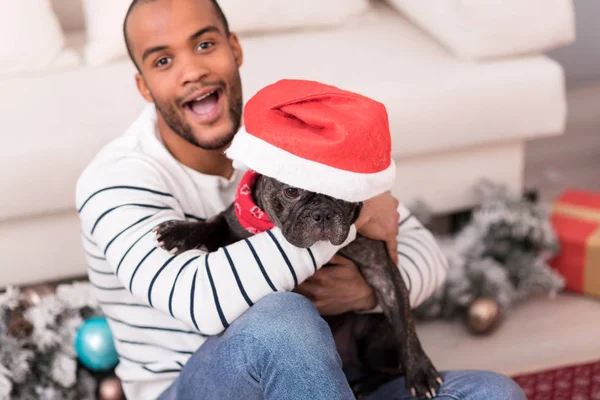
(320, 215)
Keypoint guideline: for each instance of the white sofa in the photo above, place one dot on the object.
(453, 122)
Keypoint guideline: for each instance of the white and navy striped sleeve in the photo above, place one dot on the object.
(120, 204)
(422, 263)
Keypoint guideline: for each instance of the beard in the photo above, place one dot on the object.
(179, 125)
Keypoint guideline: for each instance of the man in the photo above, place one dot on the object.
(226, 324)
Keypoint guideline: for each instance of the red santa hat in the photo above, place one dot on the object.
(318, 138)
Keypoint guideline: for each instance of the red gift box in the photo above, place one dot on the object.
(576, 220)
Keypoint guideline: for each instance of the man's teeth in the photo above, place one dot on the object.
(205, 96)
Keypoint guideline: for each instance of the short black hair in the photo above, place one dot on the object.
(136, 3)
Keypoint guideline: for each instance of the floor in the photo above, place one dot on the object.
(573, 159)
(540, 333)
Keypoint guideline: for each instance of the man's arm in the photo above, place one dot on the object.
(421, 261)
(120, 205)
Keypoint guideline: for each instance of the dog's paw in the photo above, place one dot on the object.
(174, 237)
(422, 378)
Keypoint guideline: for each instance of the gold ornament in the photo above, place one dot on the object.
(111, 389)
(483, 316)
(33, 295)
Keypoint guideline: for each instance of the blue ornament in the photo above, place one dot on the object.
(95, 346)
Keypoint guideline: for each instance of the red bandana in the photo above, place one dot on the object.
(252, 218)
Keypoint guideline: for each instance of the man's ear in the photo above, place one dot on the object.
(143, 89)
(236, 48)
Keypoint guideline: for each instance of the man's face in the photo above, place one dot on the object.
(189, 69)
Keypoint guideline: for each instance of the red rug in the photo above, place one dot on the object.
(577, 382)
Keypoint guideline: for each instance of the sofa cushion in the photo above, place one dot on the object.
(70, 14)
(31, 38)
(436, 103)
(490, 29)
(104, 19)
(261, 16)
(53, 125)
(104, 28)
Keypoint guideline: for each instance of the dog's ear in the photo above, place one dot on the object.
(357, 210)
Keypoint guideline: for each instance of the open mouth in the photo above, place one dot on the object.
(206, 106)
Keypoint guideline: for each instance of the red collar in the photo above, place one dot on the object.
(250, 216)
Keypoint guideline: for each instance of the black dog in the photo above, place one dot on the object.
(383, 346)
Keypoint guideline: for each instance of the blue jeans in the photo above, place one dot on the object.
(282, 349)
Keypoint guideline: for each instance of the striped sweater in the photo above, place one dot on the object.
(162, 307)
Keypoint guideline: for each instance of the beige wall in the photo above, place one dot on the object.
(581, 59)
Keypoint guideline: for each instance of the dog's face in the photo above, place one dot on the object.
(305, 217)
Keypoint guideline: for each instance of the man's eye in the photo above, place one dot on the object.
(161, 62)
(205, 45)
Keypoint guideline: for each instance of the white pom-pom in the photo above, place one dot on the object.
(10, 298)
(64, 370)
(5, 383)
(76, 295)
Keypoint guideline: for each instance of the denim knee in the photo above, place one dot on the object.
(286, 301)
(498, 386)
(284, 320)
(282, 348)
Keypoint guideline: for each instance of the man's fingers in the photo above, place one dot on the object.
(318, 277)
(309, 289)
(305, 293)
(337, 259)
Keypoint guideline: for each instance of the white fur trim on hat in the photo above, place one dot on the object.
(251, 152)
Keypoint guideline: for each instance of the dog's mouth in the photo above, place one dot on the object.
(304, 243)
(337, 239)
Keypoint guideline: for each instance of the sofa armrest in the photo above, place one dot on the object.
(483, 29)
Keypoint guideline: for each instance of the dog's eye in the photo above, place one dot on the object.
(291, 193)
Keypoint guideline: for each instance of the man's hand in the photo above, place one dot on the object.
(337, 288)
(379, 220)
